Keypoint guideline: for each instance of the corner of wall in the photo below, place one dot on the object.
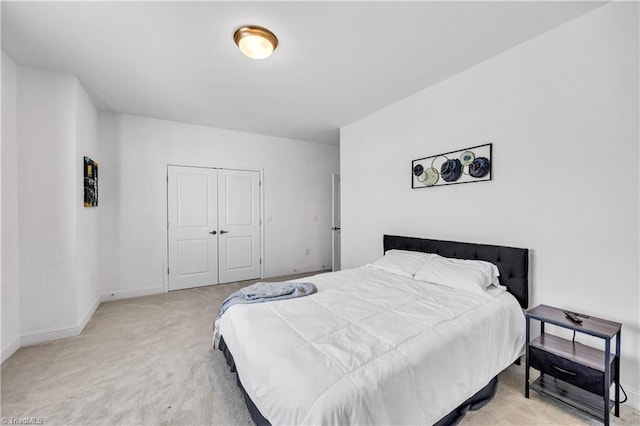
(86, 144)
(9, 217)
(84, 318)
(10, 349)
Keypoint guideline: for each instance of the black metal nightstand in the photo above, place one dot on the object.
(576, 374)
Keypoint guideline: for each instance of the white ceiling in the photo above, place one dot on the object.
(336, 62)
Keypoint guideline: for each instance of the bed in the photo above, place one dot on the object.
(375, 347)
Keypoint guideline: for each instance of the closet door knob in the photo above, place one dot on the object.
(213, 232)
(222, 231)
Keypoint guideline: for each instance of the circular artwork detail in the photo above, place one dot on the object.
(422, 177)
(467, 157)
(451, 170)
(433, 162)
(418, 169)
(479, 167)
(432, 176)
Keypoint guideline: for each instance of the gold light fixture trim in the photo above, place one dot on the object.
(255, 42)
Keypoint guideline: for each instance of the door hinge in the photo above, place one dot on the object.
(261, 261)
(260, 182)
(167, 271)
(167, 178)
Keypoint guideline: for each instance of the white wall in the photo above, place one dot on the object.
(87, 217)
(55, 238)
(47, 166)
(134, 153)
(562, 112)
(10, 277)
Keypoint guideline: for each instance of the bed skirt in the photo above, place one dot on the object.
(482, 397)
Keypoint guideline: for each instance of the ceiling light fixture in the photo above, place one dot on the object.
(255, 42)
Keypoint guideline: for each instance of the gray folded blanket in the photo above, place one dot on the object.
(261, 292)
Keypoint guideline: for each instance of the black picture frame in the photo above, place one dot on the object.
(90, 182)
(467, 165)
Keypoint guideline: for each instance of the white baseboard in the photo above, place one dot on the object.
(128, 294)
(48, 334)
(88, 314)
(296, 271)
(634, 397)
(54, 333)
(10, 349)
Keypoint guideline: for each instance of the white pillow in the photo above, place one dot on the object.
(488, 268)
(402, 262)
(469, 275)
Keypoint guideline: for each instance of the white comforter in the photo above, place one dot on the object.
(371, 347)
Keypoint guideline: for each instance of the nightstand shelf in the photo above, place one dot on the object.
(571, 372)
(572, 395)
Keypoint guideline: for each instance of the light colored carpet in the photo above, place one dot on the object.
(149, 361)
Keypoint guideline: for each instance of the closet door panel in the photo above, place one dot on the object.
(192, 226)
(239, 224)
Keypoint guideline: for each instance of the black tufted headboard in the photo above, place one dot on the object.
(513, 263)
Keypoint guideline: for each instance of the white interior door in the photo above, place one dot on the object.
(239, 225)
(335, 225)
(193, 223)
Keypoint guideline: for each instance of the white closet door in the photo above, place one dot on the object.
(239, 225)
(193, 224)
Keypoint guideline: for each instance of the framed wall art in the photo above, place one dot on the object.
(90, 183)
(463, 166)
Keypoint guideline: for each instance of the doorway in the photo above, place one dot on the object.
(213, 223)
(335, 225)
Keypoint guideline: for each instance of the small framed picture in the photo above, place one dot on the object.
(90, 183)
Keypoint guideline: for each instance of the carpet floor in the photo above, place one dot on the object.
(149, 361)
